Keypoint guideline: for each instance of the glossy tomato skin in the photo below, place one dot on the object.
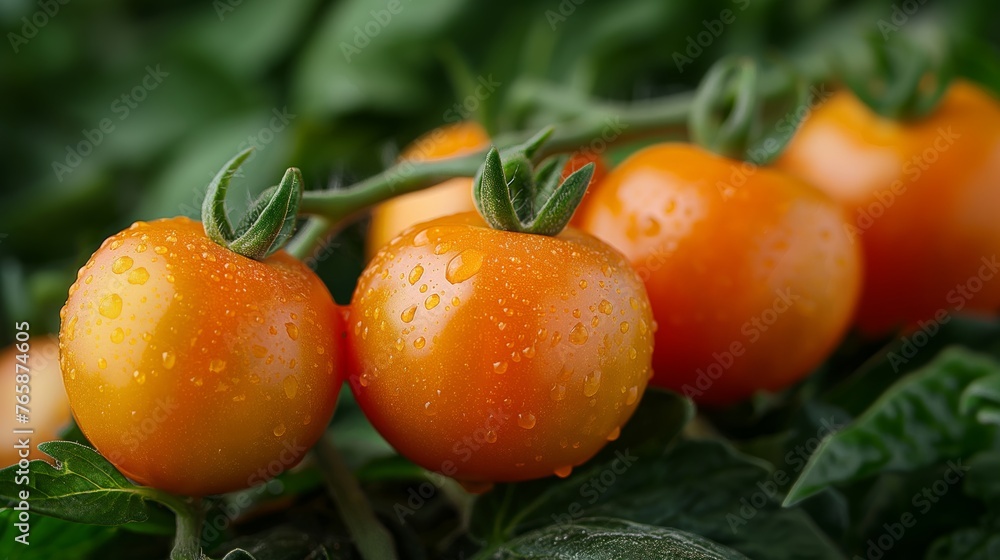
(750, 274)
(196, 370)
(921, 200)
(49, 413)
(454, 196)
(492, 356)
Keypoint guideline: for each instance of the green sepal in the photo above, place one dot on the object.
(213, 210)
(492, 195)
(268, 224)
(558, 209)
(271, 219)
(547, 178)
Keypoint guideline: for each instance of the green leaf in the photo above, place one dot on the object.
(50, 538)
(611, 539)
(213, 209)
(982, 400)
(86, 488)
(974, 543)
(492, 195)
(916, 423)
(704, 487)
(558, 210)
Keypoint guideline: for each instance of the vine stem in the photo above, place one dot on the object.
(190, 515)
(373, 540)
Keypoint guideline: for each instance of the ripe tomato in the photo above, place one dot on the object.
(193, 369)
(921, 198)
(49, 412)
(750, 274)
(390, 218)
(494, 356)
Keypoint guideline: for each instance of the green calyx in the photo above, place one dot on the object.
(901, 81)
(512, 196)
(727, 113)
(269, 222)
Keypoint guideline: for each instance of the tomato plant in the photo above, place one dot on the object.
(50, 413)
(193, 368)
(919, 196)
(492, 355)
(751, 277)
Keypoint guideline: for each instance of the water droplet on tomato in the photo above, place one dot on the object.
(563, 472)
(408, 313)
(415, 274)
(291, 386)
(139, 377)
(117, 335)
(138, 276)
(605, 307)
(623, 327)
(579, 334)
(499, 367)
(110, 306)
(169, 359)
(279, 430)
(526, 420)
(491, 437)
(632, 395)
(217, 365)
(121, 264)
(419, 342)
(463, 266)
(429, 408)
(292, 330)
(592, 383)
(558, 392)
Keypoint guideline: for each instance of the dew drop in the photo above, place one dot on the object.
(419, 342)
(110, 306)
(429, 408)
(292, 330)
(615, 433)
(499, 367)
(632, 302)
(579, 334)
(258, 350)
(408, 313)
(169, 359)
(102, 363)
(160, 250)
(138, 276)
(399, 344)
(279, 430)
(432, 301)
(623, 327)
(605, 307)
(526, 420)
(632, 353)
(217, 365)
(592, 383)
(415, 274)
(455, 301)
(198, 382)
(463, 266)
(117, 335)
(291, 385)
(558, 392)
(71, 328)
(121, 264)
(116, 244)
(632, 395)
(491, 437)
(563, 472)
(139, 377)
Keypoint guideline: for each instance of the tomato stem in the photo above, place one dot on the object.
(190, 515)
(373, 540)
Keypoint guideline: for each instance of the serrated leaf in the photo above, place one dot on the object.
(612, 539)
(85, 489)
(916, 423)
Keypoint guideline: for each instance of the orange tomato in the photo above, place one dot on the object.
(921, 199)
(49, 414)
(494, 356)
(194, 369)
(751, 277)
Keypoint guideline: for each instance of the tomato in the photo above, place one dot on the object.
(751, 277)
(921, 198)
(196, 370)
(390, 218)
(578, 160)
(49, 414)
(494, 356)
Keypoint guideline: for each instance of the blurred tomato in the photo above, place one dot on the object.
(49, 409)
(922, 200)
